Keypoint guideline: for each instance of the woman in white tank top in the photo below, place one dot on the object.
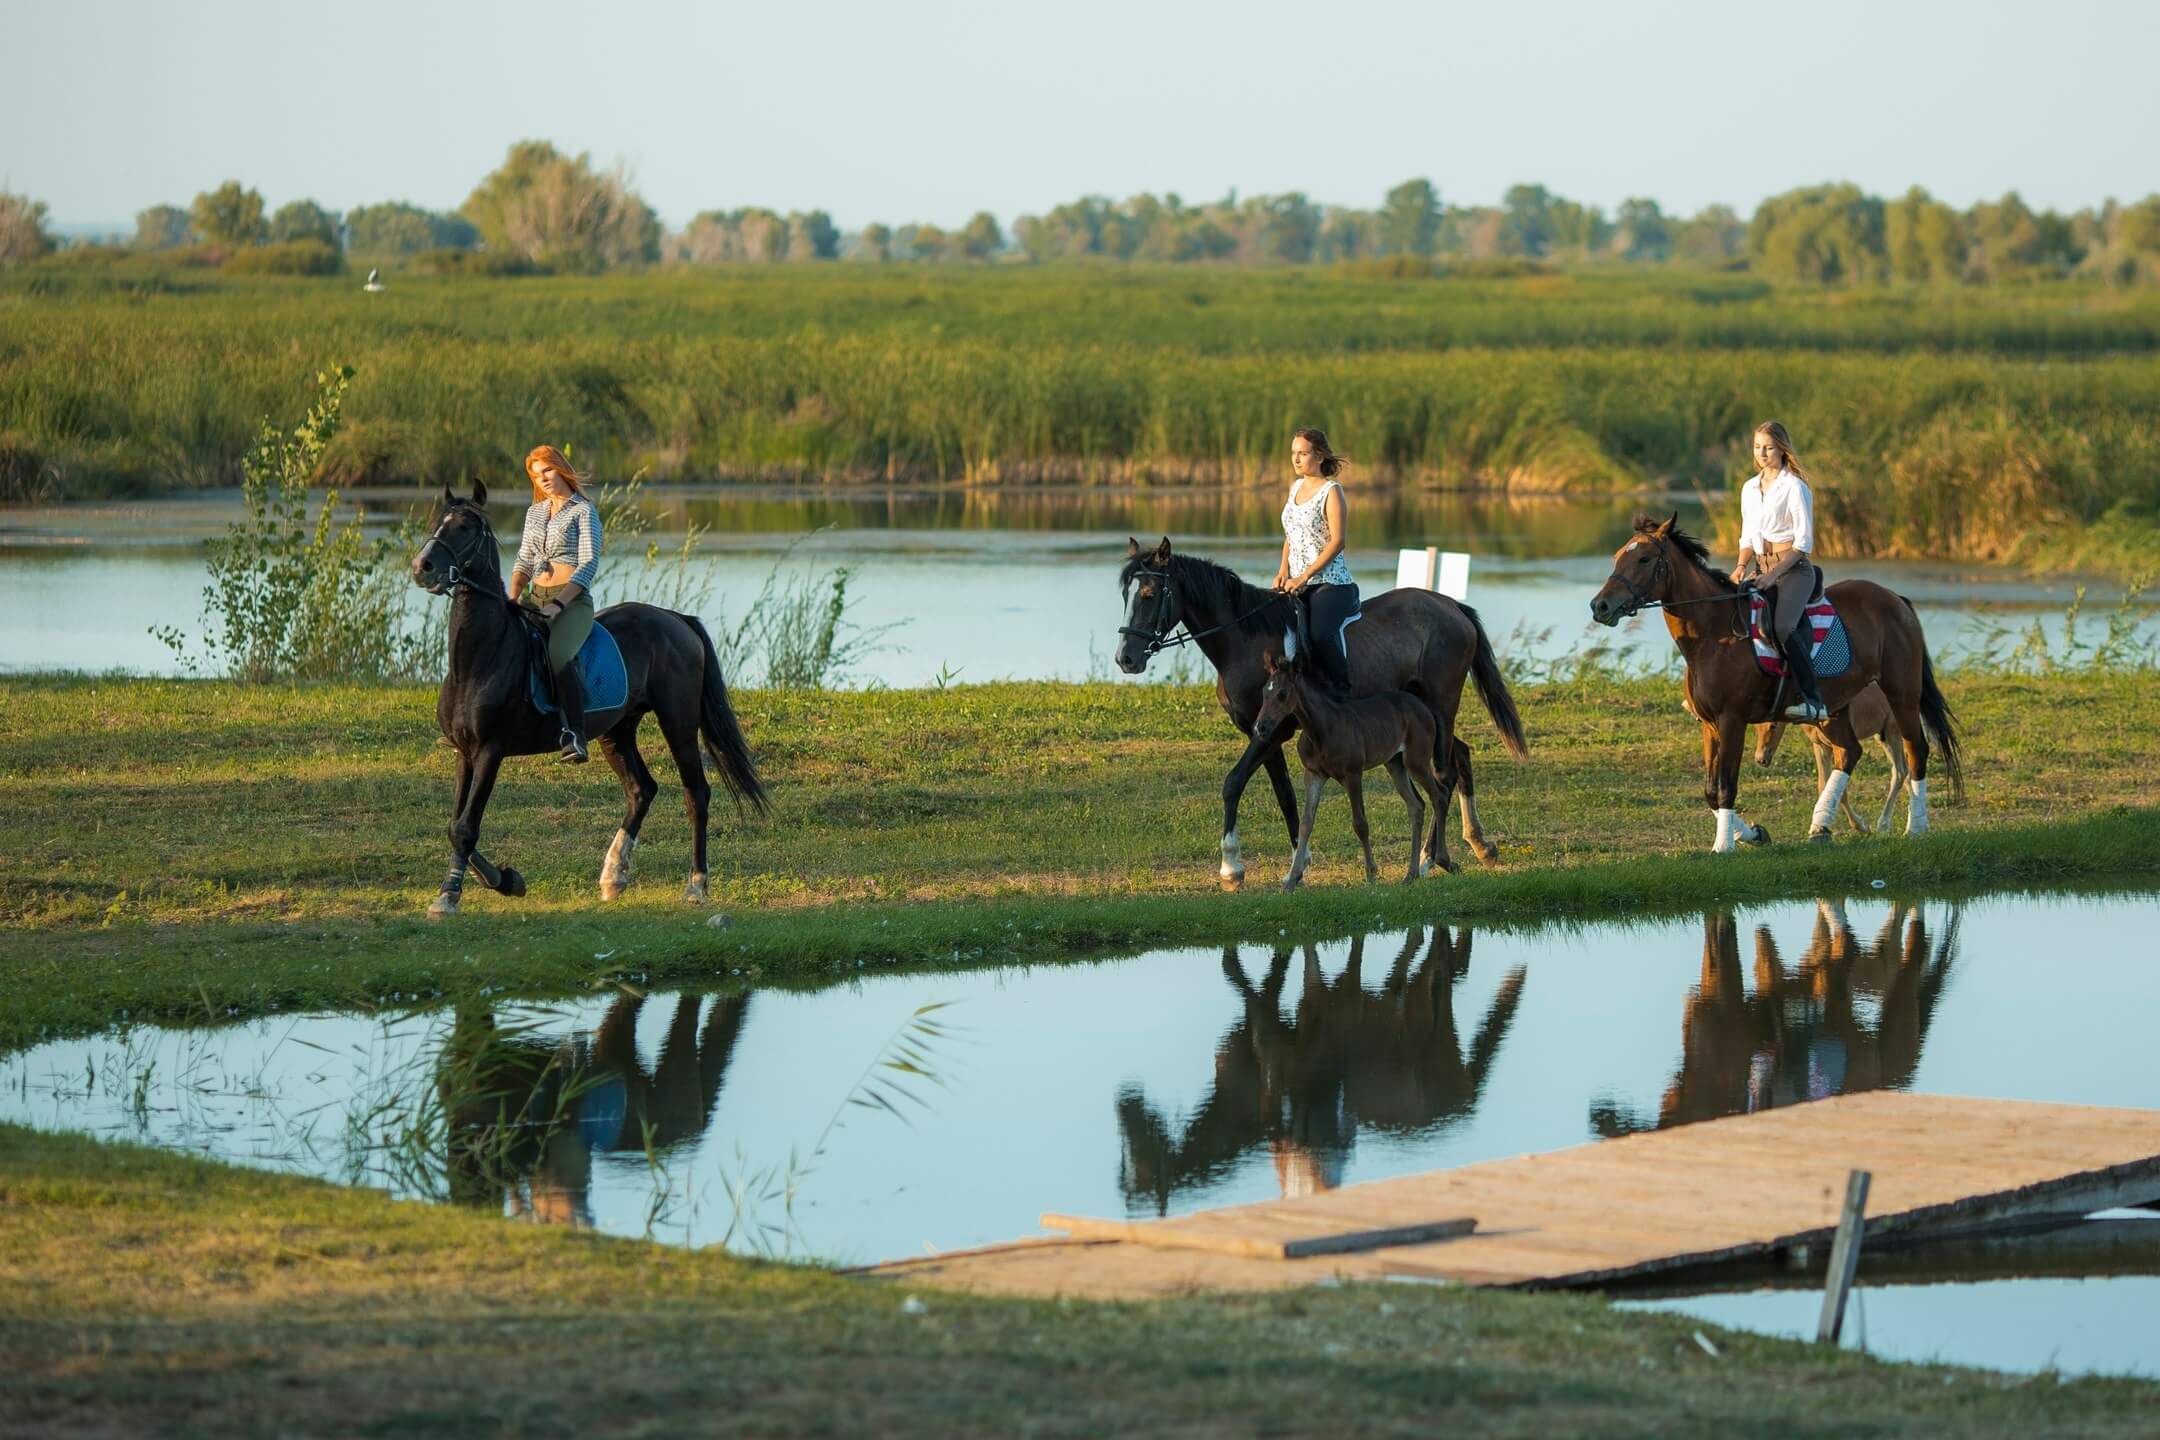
(1312, 555)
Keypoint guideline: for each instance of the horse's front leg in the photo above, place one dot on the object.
(1257, 751)
(1302, 855)
(476, 782)
(1723, 746)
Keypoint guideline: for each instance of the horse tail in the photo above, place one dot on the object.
(724, 742)
(1940, 724)
(1492, 689)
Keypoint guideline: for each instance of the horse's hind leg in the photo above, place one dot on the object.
(1846, 754)
(1399, 772)
(1905, 713)
(1473, 832)
(621, 749)
(681, 734)
(1893, 751)
(1302, 855)
(1354, 785)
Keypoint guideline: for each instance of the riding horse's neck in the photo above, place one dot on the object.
(478, 623)
(1213, 615)
(1692, 613)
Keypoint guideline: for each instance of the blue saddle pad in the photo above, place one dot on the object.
(607, 681)
(1833, 657)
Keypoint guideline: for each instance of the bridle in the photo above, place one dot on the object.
(1661, 571)
(457, 578)
(1160, 639)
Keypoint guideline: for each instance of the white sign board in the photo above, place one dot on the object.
(1447, 571)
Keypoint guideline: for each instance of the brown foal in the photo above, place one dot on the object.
(1340, 740)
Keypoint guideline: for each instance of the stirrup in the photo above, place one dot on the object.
(573, 748)
(1806, 712)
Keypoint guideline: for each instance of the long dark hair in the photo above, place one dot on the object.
(1331, 464)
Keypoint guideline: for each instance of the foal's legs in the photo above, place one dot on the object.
(1426, 776)
(1302, 855)
(620, 747)
(1838, 730)
(1893, 750)
(1354, 785)
(1399, 772)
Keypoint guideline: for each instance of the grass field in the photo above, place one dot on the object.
(1940, 422)
(203, 848)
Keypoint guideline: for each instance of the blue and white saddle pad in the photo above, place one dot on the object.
(607, 680)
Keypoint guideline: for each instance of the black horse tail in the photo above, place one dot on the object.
(724, 741)
(1492, 689)
(1940, 725)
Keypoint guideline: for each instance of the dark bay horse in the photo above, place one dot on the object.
(1414, 640)
(485, 707)
(1664, 566)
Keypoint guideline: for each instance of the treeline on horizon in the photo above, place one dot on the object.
(543, 211)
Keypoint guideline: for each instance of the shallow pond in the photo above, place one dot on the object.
(982, 586)
(776, 1121)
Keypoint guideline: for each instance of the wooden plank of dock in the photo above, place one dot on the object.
(1753, 1185)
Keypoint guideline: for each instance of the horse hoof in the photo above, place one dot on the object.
(444, 905)
(1484, 850)
(694, 892)
(513, 884)
(1818, 837)
(1291, 883)
(1760, 835)
(611, 890)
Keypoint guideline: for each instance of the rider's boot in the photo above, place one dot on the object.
(570, 696)
(1800, 664)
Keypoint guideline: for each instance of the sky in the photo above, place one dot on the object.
(920, 110)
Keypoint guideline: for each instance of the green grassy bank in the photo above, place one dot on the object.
(148, 1293)
(1939, 422)
(200, 848)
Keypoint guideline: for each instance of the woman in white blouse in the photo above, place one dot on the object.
(1777, 545)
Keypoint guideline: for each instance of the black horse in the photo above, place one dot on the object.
(486, 711)
(1414, 640)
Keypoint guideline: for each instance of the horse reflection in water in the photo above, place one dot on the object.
(1301, 1088)
(1848, 1016)
(527, 1113)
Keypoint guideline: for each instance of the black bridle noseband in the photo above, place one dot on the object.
(457, 578)
(1661, 571)
(1160, 639)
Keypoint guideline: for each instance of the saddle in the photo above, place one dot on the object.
(599, 660)
(1831, 648)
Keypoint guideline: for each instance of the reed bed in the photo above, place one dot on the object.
(1941, 424)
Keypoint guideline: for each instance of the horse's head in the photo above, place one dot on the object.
(462, 548)
(1151, 604)
(1279, 698)
(1642, 572)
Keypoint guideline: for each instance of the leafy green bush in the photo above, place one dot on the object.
(294, 598)
(292, 257)
(449, 261)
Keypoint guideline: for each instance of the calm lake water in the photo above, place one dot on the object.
(1183, 1079)
(985, 586)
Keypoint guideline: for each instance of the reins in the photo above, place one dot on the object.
(457, 579)
(1640, 600)
(1160, 639)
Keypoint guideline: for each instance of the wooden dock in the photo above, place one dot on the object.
(1754, 1186)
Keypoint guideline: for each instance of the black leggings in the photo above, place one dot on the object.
(1327, 609)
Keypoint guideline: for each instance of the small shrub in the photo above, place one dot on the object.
(474, 262)
(293, 257)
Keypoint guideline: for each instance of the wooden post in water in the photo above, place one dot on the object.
(1844, 1258)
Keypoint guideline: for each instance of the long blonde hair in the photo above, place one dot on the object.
(553, 458)
(1783, 440)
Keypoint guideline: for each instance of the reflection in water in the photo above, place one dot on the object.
(525, 1114)
(1303, 1087)
(1847, 1016)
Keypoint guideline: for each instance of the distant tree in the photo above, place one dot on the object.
(1347, 234)
(1923, 238)
(304, 220)
(1528, 213)
(1284, 228)
(232, 214)
(396, 228)
(921, 242)
(1640, 231)
(1713, 234)
(1821, 234)
(1409, 221)
(22, 229)
(1575, 228)
(161, 227)
(980, 238)
(812, 236)
(874, 243)
(556, 210)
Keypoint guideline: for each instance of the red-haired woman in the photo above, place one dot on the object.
(1312, 553)
(558, 558)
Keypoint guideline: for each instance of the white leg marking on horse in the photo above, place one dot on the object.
(615, 870)
(1744, 832)
(1724, 843)
(1233, 861)
(694, 892)
(1916, 818)
(1826, 804)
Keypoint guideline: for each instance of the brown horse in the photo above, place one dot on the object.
(1664, 567)
(1340, 740)
(1871, 720)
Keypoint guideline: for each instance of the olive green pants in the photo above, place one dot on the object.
(567, 631)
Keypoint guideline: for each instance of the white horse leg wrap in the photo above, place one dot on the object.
(1916, 817)
(1726, 821)
(1233, 862)
(1826, 804)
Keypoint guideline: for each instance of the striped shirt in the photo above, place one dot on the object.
(569, 536)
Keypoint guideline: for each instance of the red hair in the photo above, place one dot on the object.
(553, 458)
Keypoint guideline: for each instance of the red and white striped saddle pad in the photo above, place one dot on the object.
(1822, 616)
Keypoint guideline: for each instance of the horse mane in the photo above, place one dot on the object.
(1694, 549)
(1217, 586)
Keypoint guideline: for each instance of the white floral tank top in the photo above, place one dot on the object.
(1305, 526)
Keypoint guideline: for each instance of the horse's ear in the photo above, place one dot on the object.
(1267, 661)
(479, 492)
(1665, 526)
(1162, 551)
(1132, 547)
(448, 499)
